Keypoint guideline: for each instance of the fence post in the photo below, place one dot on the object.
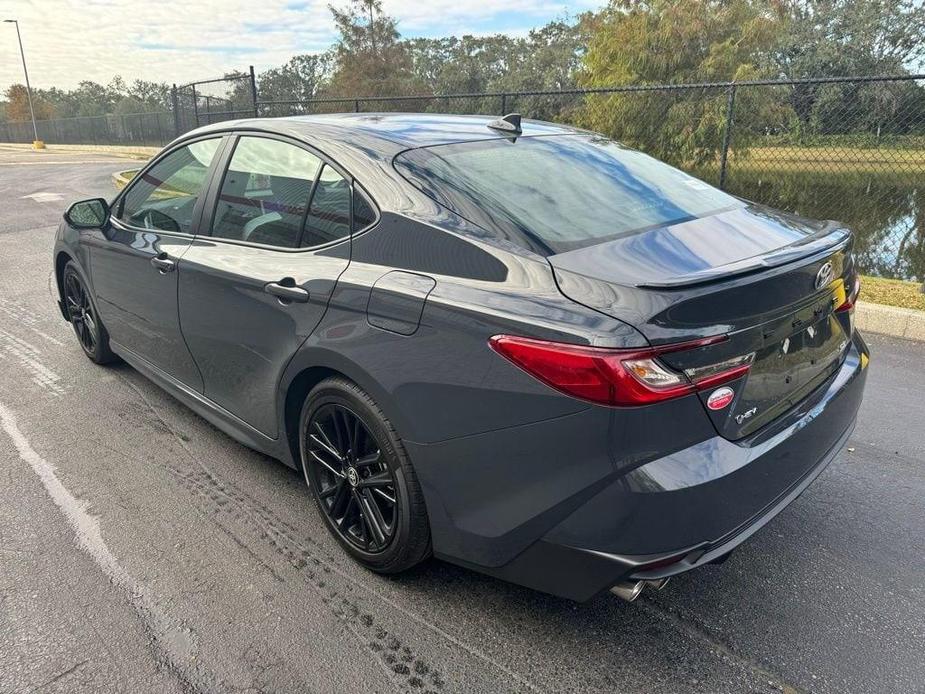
(254, 92)
(504, 104)
(356, 105)
(175, 103)
(727, 134)
(195, 104)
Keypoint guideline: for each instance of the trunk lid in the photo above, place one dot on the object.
(767, 280)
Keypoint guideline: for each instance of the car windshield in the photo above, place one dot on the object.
(559, 193)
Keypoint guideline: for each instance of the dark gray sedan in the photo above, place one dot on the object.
(520, 347)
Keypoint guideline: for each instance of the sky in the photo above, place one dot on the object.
(67, 41)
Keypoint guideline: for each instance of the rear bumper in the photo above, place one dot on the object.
(609, 518)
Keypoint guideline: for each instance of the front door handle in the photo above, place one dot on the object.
(163, 263)
(286, 291)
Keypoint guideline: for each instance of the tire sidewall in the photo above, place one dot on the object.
(336, 392)
(97, 354)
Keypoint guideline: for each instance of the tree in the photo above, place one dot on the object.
(302, 78)
(17, 106)
(675, 41)
(463, 65)
(827, 38)
(154, 95)
(370, 60)
(841, 38)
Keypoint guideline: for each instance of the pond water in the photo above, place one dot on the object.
(885, 210)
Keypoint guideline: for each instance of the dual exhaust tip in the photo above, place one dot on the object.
(630, 590)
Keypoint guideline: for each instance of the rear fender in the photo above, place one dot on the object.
(318, 357)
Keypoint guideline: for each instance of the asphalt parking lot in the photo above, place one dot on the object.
(143, 550)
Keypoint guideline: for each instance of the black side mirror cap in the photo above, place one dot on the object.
(88, 214)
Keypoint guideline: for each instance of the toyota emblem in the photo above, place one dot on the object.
(825, 275)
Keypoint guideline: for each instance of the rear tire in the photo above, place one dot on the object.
(361, 478)
(81, 310)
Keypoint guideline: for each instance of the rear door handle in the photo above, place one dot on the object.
(287, 292)
(163, 263)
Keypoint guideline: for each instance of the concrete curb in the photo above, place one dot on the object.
(890, 320)
(131, 151)
(121, 178)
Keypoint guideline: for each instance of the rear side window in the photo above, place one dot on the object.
(329, 217)
(364, 213)
(265, 193)
(554, 194)
(164, 196)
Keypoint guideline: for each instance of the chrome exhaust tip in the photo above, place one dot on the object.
(628, 590)
(658, 583)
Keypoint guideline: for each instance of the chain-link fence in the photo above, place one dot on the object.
(145, 129)
(851, 149)
(191, 105)
(212, 101)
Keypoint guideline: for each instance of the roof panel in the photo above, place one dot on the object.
(388, 133)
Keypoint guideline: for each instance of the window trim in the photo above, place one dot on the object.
(219, 178)
(198, 208)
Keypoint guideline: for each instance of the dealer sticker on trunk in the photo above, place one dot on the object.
(720, 398)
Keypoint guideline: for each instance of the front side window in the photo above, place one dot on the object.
(265, 193)
(165, 195)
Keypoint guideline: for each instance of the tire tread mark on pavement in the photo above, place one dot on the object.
(60, 676)
(216, 497)
(281, 536)
(86, 528)
(26, 318)
(700, 633)
(29, 357)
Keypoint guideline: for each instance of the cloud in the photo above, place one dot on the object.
(67, 41)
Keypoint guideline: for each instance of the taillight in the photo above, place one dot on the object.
(616, 377)
(851, 297)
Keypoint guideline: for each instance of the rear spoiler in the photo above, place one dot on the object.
(824, 241)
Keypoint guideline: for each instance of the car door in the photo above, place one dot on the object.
(254, 289)
(133, 263)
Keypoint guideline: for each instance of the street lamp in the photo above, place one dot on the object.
(37, 143)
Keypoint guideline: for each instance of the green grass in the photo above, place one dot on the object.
(900, 293)
(833, 159)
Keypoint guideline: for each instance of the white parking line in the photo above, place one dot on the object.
(71, 162)
(171, 639)
(42, 197)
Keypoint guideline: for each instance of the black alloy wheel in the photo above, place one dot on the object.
(349, 474)
(362, 479)
(81, 313)
(83, 316)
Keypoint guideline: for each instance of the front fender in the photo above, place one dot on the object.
(68, 248)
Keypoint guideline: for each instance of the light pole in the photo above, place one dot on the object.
(38, 144)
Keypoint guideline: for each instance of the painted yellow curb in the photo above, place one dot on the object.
(120, 179)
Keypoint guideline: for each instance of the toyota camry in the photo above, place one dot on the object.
(516, 346)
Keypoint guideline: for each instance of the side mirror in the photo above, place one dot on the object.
(88, 214)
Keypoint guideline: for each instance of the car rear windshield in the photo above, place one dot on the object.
(558, 193)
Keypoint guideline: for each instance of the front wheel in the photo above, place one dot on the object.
(361, 478)
(81, 311)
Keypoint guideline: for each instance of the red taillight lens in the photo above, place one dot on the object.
(617, 377)
(852, 297)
